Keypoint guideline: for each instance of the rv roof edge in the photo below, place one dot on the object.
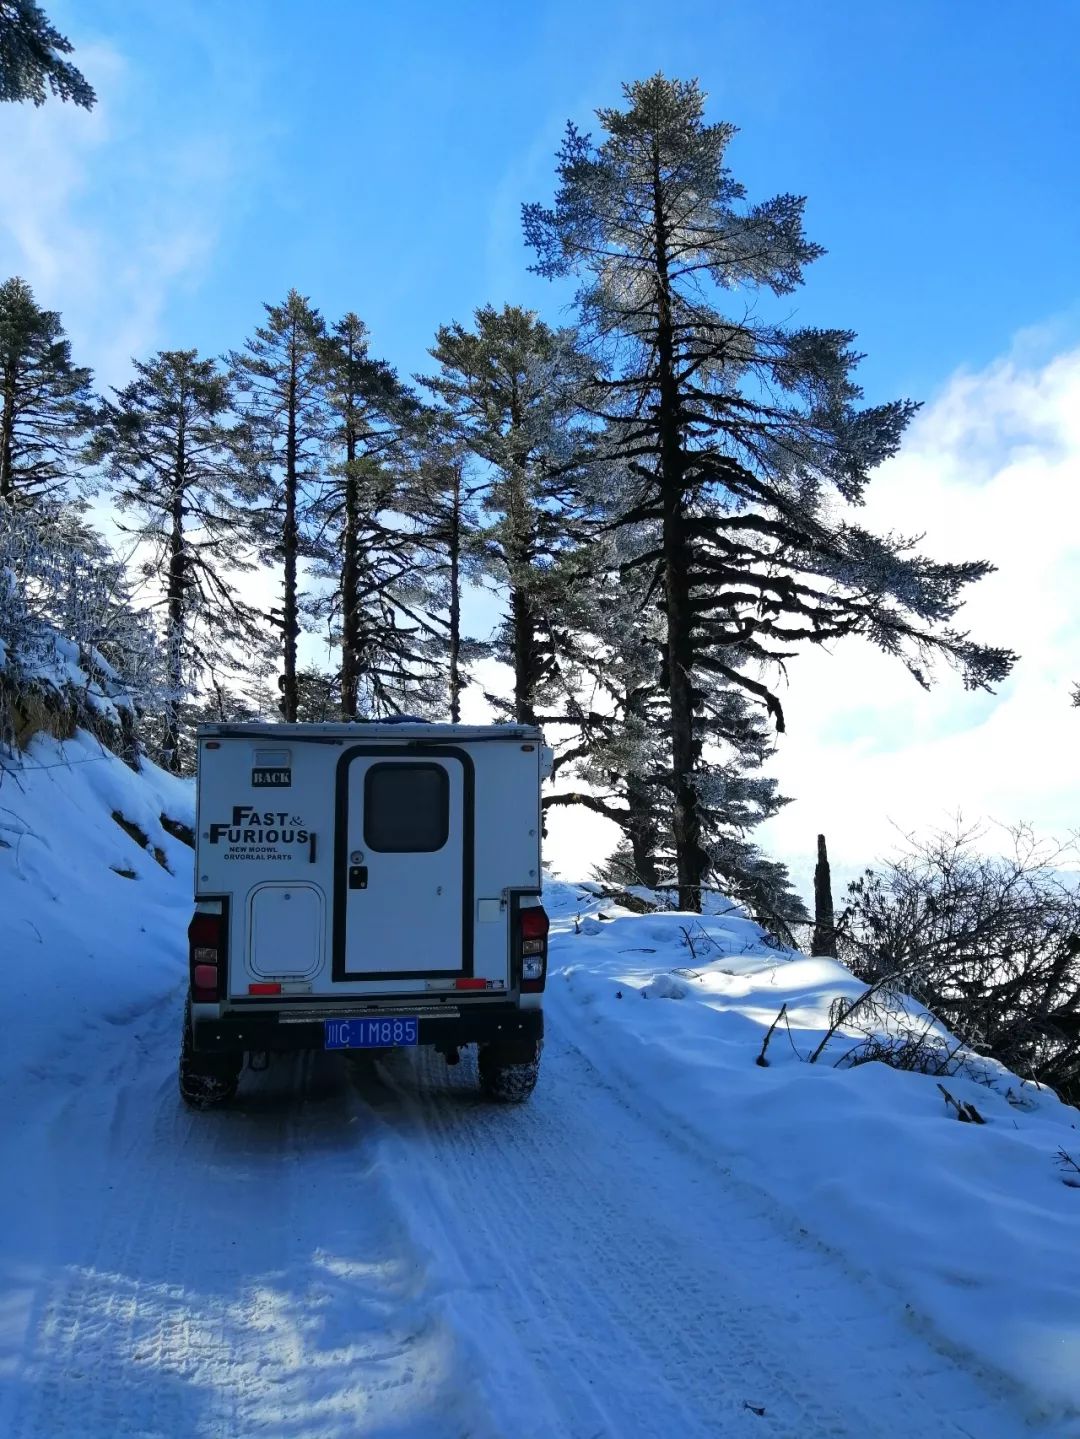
(369, 729)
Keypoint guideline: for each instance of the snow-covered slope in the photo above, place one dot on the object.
(974, 1227)
(93, 925)
(668, 1239)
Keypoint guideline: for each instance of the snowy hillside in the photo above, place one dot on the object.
(668, 1239)
(972, 1227)
(95, 894)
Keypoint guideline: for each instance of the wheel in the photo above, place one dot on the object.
(206, 1080)
(506, 1076)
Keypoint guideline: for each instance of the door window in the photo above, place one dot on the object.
(406, 808)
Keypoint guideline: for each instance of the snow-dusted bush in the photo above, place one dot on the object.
(989, 943)
(74, 649)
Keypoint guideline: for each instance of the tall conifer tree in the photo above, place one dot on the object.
(445, 500)
(45, 401)
(367, 534)
(740, 438)
(511, 386)
(281, 385)
(167, 449)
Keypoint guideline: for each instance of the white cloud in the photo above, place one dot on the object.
(108, 213)
(989, 472)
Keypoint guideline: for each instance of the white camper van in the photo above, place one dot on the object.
(366, 886)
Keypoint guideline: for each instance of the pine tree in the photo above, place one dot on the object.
(368, 544)
(30, 51)
(64, 596)
(739, 437)
(166, 447)
(446, 499)
(623, 754)
(511, 385)
(45, 400)
(281, 385)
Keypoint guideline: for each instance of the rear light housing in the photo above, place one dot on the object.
(205, 951)
(533, 926)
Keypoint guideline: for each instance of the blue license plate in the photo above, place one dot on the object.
(370, 1033)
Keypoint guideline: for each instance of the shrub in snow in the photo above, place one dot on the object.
(73, 648)
(990, 944)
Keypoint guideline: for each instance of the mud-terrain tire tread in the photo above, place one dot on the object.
(205, 1082)
(507, 1083)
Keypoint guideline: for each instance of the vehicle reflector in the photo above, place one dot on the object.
(204, 977)
(470, 984)
(533, 926)
(264, 989)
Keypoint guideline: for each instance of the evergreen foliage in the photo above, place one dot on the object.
(379, 600)
(511, 386)
(280, 382)
(30, 58)
(664, 495)
(446, 501)
(166, 446)
(45, 401)
(739, 438)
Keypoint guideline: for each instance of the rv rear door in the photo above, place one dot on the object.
(403, 864)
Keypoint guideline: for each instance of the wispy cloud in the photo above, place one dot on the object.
(989, 472)
(110, 214)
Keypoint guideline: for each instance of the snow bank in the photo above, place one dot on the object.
(92, 925)
(973, 1227)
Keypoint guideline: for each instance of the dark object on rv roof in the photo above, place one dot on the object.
(387, 719)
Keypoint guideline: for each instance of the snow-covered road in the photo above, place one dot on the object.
(367, 1249)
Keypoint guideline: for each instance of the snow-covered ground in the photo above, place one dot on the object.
(667, 1240)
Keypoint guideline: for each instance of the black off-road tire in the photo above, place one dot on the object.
(504, 1076)
(206, 1081)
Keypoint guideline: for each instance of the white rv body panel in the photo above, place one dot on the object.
(368, 859)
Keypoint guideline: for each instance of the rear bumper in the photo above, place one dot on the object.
(239, 1033)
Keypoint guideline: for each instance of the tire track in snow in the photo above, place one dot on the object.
(224, 1274)
(652, 1295)
(296, 1267)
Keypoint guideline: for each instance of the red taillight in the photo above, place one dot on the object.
(533, 926)
(534, 923)
(204, 930)
(470, 984)
(264, 989)
(204, 953)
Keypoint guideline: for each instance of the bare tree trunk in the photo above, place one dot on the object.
(290, 695)
(686, 823)
(519, 562)
(524, 655)
(7, 436)
(176, 584)
(456, 685)
(350, 601)
(824, 939)
(641, 831)
(641, 827)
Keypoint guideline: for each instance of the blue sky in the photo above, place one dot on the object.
(375, 156)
